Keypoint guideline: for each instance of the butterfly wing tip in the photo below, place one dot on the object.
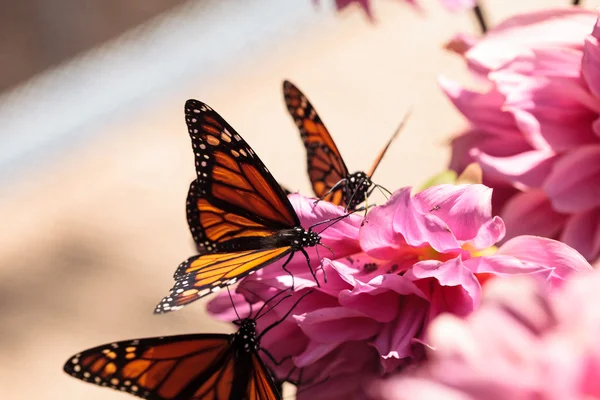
(164, 308)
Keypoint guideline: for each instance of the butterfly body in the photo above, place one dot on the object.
(182, 367)
(328, 174)
(240, 218)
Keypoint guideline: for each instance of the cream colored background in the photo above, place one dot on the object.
(91, 238)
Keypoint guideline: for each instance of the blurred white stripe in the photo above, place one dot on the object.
(200, 39)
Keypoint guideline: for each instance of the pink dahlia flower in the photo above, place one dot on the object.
(522, 344)
(535, 131)
(388, 276)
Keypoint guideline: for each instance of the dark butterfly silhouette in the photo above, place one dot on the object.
(239, 216)
(185, 367)
(328, 174)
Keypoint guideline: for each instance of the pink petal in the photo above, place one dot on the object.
(531, 213)
(483, 110)
(409, 388)
(467, 209)
(454, 287)
(546, 253)
(574, 183)
(582, 232)
(564, 27)
(536, 62)
(398, 225)
(591, 61)
(555, 125)
(336, 325)
(344, 373)
(493, 145)
(596, 127)
(377, 236)
(396, 338)
(221, 307)
(458, 5)
(314, 352)
(420, 227)
(506, 266)
(548, 98)
(525, 170)
(383, 289)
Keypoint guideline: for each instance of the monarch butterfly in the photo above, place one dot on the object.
(327, 171)
(185, 367)
(239, 217)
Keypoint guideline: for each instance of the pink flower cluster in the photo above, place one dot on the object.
(535, 131)
(387, 277)
(521, 344)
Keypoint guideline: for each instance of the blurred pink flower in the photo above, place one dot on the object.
(535, 131)
(522, 344)
(412, 259)
(451, 5)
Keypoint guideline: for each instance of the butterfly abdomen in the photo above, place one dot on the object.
(245, 346)
(297, 238)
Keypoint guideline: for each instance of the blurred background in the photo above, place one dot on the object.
(95, 159)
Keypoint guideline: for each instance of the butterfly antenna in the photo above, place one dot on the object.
(287, 314)
(274, 306)
(260, 310)
(233, 305)
(386, 193)
(396, 133)
(333, 221)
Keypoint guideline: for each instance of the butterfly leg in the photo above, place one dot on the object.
(334, 187)
(272, 358)
(287, 270)
(312, 271)
(350, 201)
(287, 378)
(300, 381)
(308, 384)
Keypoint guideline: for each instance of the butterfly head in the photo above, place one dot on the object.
(246, 335)
(356, 189)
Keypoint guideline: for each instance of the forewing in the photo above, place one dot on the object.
(212, 227)
(165, 368)
(325, 164)
(232, 180)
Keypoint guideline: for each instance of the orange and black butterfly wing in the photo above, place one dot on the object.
(261, 385)
(169, 368)
(326, 166)
(234, 197)
(204, 274)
